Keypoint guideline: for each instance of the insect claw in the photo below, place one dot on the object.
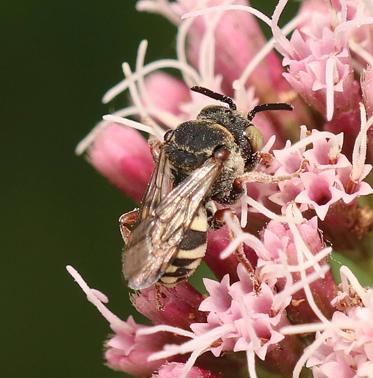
(241, 256)
(127, 220)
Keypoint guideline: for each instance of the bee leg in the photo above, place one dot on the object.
(155, 147)
(127, 220)
(241, 256)
(264, 178)
(239, 252)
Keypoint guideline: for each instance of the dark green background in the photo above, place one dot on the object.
(58, 58)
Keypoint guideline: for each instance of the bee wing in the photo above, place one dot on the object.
(155, 240)
(158, 187)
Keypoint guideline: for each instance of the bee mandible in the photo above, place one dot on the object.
(198, 162)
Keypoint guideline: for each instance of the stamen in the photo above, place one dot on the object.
(140, 95)
(360, 148)
(284, 261)
(161, 7)
(203, 341)
(329, 80)
(154, 66)
(306, 141)
(140, 59)
(191, 361)
(299, 267)
(242, 237)
(303, 250)
(223, 8)
(268, 146)
(283, 44)
(359, 50)
(96, 300)
(166, 118)
(300, 243)
(250, 356)
(92, 135)
(311, 349)
(303, 328)
(269, 214)
(134, 92)
(303, 132)
(206, 61)
(360, 19)
(100, 296)
(317, 327)
(312, 261)
(165, 328)
(181, 51)
(299, 285)
(247, 239)
(129, 123)
(263, 52)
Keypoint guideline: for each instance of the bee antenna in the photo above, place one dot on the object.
(265, 107)
(215, 96)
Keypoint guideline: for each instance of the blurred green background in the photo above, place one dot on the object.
(58, 58)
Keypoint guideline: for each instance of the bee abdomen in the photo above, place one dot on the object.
(191, 251)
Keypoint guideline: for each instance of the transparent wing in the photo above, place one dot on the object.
(158, 187)
(154, 241)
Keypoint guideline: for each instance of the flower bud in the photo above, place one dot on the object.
(122, 155)
(166, 92)
(128, 352)
(176, 306)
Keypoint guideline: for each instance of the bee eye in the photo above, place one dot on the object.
(168, 135)
(255, 138)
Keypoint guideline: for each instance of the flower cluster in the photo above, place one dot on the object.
(275, 305)
(343, 345)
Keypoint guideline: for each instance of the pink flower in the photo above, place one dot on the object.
(126, 350)
(326, 154)
(240, 318)
(287, 192)
(174, 370)
(320, 191)
(233, 58)
(343, 346)
(296, 247)
(174, 92)
(123, 156)
(179, 305)
(301, 198)
(319, 63)
(352, 190)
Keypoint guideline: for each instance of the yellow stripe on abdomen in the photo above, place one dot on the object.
(191, 251)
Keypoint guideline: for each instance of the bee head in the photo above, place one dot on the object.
(246, 135)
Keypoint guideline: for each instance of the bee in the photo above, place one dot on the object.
(198, 162)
